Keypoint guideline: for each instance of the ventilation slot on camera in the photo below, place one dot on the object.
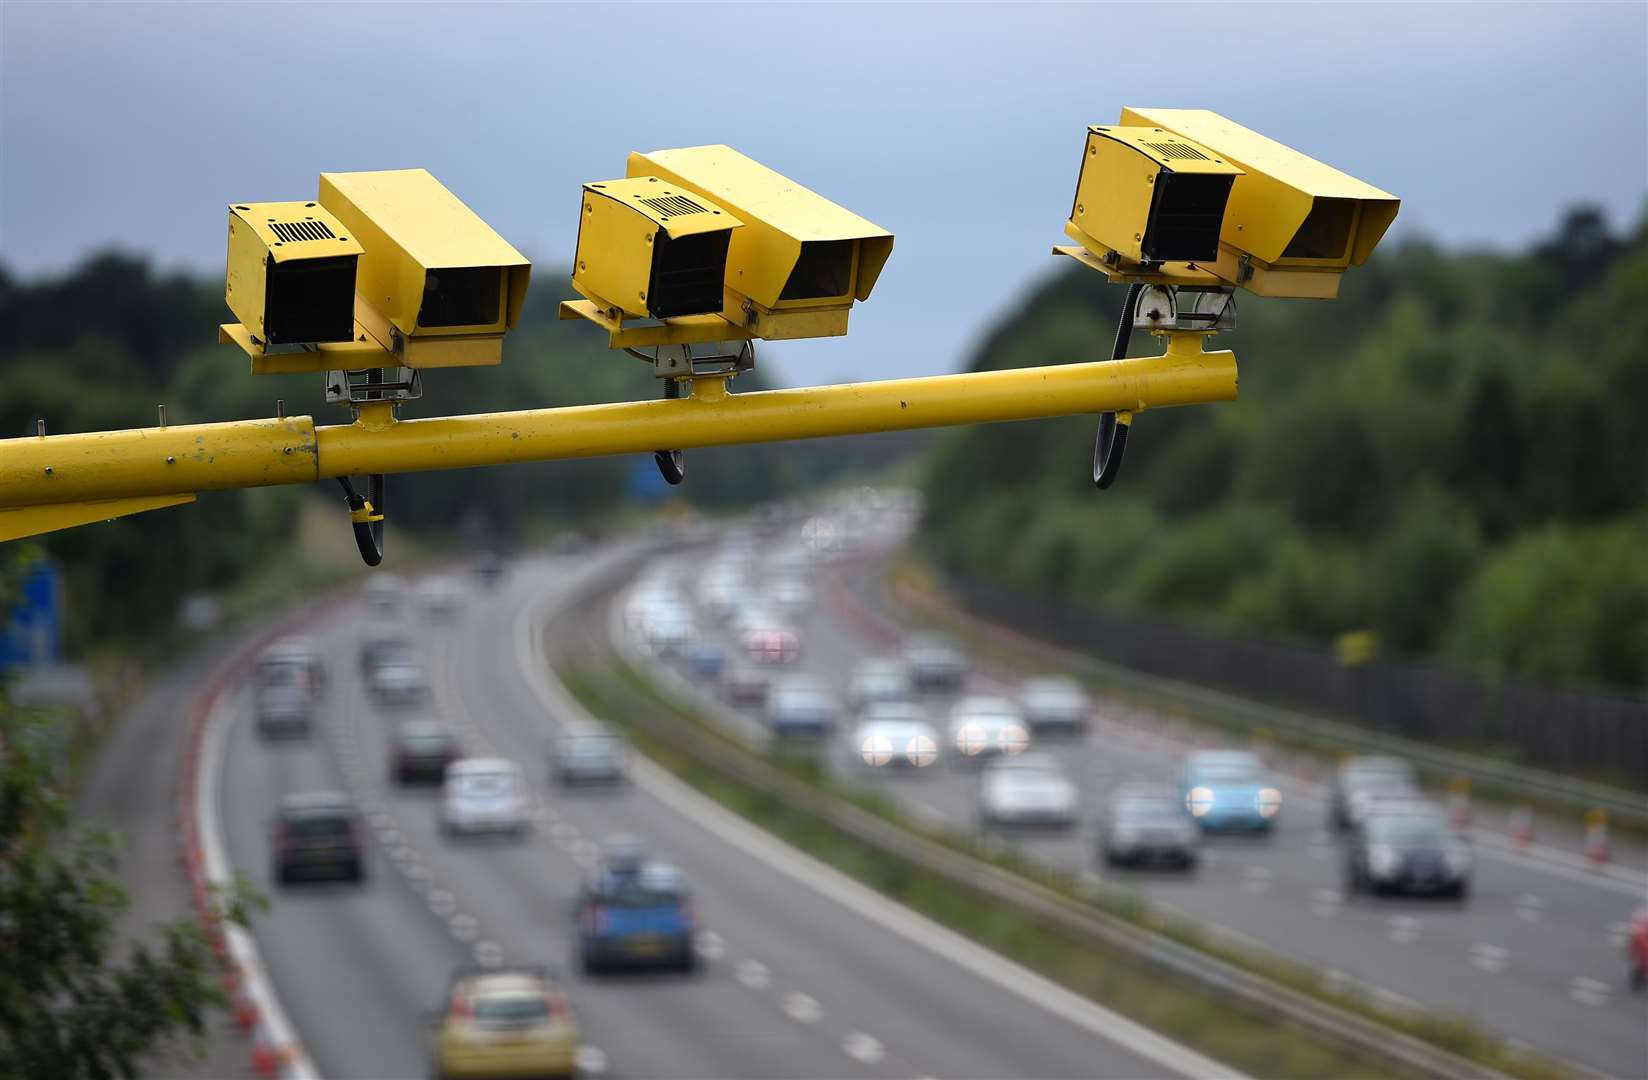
(291, 232)
(667, 205)
(1180, 150)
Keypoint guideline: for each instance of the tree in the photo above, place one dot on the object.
(74, 1001)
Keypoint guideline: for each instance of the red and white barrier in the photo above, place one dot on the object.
(1521, 829)
(1597, 852)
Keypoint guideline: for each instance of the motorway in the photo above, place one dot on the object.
(805, 974)
(1535, 953)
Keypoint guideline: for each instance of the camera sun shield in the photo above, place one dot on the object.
(290, 274)
(649, 249)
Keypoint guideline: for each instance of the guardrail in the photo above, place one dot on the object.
(1263, 995)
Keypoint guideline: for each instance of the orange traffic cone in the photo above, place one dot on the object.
(1522, 829)
(265, 1062)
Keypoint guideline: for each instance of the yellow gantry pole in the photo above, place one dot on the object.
(184, 459)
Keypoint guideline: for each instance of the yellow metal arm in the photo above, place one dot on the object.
(181, 460)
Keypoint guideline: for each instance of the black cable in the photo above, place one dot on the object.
(1111, 441)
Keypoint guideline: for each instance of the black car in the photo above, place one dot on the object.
(1409, 852)
(1361, 782)
(421, 751)
(318, 835)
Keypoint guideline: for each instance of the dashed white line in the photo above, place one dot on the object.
(592, 1060)
(1403, 929)
(753, 975)
(488, 953)
(442, 903)
(1588, 991)
(863, 1048)
(710, 945)
(1617, 933)
(802, 1008)
(1256, 880)
(464, 928)
(1489, 958)
(1530, 908)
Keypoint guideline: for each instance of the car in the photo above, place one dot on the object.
(1148, 823)
(667, 629)
(801, 706)
(1054, 703)
(483, 795)
(589, 757)
(284, 710)
(440, 599)
(317, 835)
(745, 685)
(398, 685)
(505, 1022)
(772, 645)
(983, 727)
(706, 661)
(1027, 790)
(895, 735)
(1229, 791)
(1407, 852)
(1358, 782)
(1636, 948)
(875, 682)
(935, 662)
(635, 913)
(292, 661)
(384, 647)
(791, 593)
(385, 596)
(420, 752)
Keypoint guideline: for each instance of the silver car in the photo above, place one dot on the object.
(935, 662)
(801, 706)
(1027, 790)
(593, 757)
(1055, 703)
(877, 682)
(1148, 823)
(895, 735)
(984, 727)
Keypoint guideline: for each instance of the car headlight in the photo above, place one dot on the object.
(970, 739)
(1270, 802)
(1199, 801)
(877, 750)
(921, 751)
(1457, 861)
(1013, 739)
(1382, 860)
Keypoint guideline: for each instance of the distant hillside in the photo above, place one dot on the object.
(1452, 454)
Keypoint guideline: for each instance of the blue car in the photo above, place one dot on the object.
(636, 916)
(1229, 791)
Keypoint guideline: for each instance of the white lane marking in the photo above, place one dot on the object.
(464, 928)
(828, 882)
(753, 975)
(863, 1048)
(710, 945)
(1489, 958)
(1403, 929)
(802, 1008)
(585, 847)
(592, 1060)
(1617, 933)
(379, 819)
(488, 953)
(403, 853)
(1256, 880)
(442, 903)
(1530, 908)
(389, 836)
(1587, 991)
(1391, 1001)
(563, 833)
(586, 860)
(1327, 902)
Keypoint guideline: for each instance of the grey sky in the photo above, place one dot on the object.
(956, 127)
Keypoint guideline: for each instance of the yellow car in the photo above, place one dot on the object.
(506, 1022)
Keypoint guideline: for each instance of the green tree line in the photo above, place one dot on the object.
(1451, 454)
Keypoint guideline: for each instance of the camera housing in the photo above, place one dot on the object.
(1145, 197)
(290, 274)
(799, 261)
(649, 249)
(436, 286)
(1292, 225)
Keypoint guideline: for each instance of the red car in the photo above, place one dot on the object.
(772, 645)
(1636, 949)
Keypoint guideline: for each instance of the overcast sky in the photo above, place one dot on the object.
(958, 128)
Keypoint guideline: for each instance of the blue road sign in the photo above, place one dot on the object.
(33, 630)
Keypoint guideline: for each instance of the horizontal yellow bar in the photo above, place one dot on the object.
(183, 459)
(709, 418)
(20, 521)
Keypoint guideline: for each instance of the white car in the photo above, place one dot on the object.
(895, 735)
(877, 682)
(983, 727)
(791, 594)
(398, 684)
(483, 795)
(668, 630)
(1055, 703)
(385, 594)
(1029, 789)
(440, 599)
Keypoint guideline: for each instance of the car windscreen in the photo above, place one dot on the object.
(1234, 773)
(317, 828)
(1148, 811)
(639, 890)
(512, 1010)
(486, 785)
(590, 748)
(1406, 832)
(430, 743)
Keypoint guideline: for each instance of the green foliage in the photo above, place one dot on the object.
(74, 1001)
(1451, 446)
